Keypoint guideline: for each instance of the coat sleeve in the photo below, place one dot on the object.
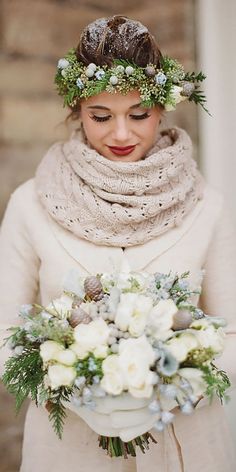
(219, 288)
(19, 267)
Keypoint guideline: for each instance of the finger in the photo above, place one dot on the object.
(122, 402)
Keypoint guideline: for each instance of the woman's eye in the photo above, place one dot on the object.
(140, 117)
(100, 118)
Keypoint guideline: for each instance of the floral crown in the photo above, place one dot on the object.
(167, 85)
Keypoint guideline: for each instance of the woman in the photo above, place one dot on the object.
(119, 188)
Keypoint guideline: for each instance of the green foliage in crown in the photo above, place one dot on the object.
(165, 86)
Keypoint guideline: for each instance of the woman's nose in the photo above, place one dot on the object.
(121, 131)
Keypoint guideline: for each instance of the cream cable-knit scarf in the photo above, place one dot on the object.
(120, 203)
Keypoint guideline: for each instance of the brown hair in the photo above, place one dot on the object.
(116, 37)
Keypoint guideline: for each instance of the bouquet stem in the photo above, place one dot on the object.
(115, 447)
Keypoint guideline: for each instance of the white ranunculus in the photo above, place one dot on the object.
(66, 357)
(161, 317)
(61, 306)
(92, 335)
(135, 358)
(132, 312)
(49, 349)
(63, 63)
(181, 345)
(211, 338)
(176, 95)
(195, 378)
(61, 375)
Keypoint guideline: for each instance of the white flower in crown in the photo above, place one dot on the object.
(79, 83)
(63, 63)
(129, 70)
(160, 78)
(99, 74)
(114, 80)
(176, 96)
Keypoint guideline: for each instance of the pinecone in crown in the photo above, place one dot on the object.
(78, 315)
(93, 288)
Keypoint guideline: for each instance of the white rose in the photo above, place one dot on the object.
(112, 383)
(135, 358)
(145, 389)
(195, 378)
(101, 351)
(90, 336)
(211, 338)
(161, 318)
(80, 350)
(61, 306)
(60, 375)
(132, 312)
(180, 346)
(49, 349)
(66, 357)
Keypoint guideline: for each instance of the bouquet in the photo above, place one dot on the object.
(116, 333)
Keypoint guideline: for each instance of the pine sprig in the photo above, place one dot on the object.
(23, 375)
(57, 410)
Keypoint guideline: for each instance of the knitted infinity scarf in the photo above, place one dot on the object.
(120, 203)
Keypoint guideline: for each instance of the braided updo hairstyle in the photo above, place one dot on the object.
(116, 37)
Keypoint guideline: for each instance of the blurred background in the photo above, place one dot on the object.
(34, 34)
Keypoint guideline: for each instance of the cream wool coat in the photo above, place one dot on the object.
(35, 255)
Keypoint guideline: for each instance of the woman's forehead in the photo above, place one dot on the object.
(106, 100)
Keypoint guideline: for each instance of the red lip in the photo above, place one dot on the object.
(121, 150)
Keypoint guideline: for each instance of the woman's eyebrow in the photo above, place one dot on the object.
(101, 107)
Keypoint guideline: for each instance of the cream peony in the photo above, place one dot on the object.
(60, 375)
(132, 313)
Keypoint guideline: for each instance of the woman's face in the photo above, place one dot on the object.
(118, 127)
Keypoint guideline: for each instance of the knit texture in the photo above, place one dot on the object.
(120, 203)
